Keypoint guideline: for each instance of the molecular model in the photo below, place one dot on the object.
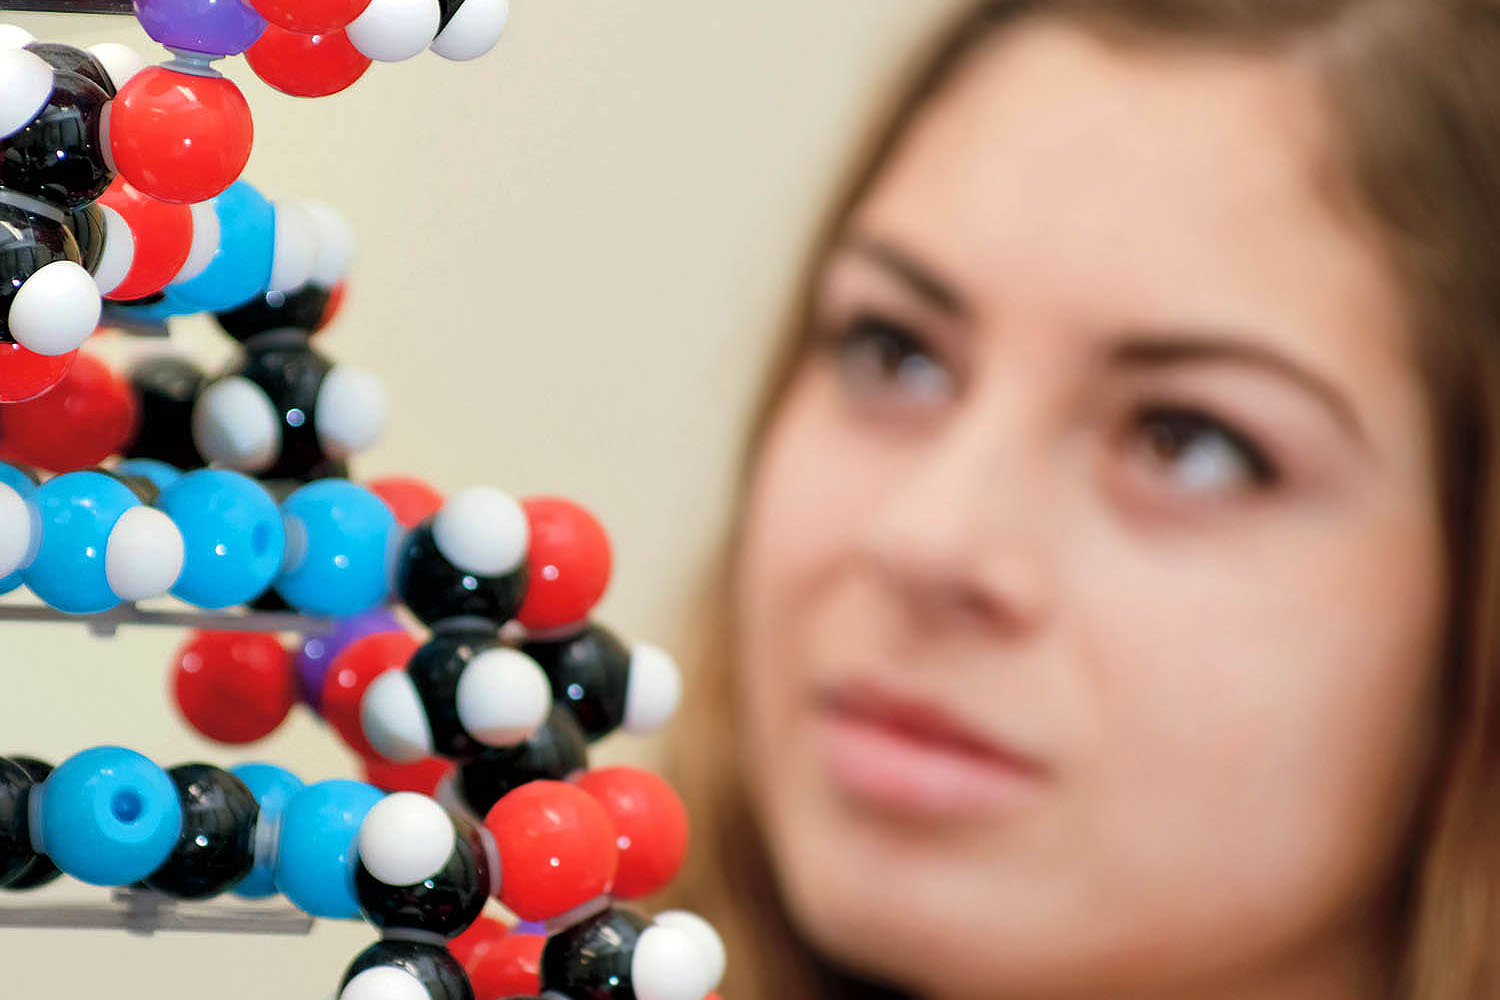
(446, 640)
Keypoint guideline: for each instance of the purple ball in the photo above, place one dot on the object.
(318, 651)
(213, 27)
(526, 927)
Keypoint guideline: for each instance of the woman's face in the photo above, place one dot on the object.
(1092, 596)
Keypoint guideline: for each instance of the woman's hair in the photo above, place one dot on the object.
(1412, 89)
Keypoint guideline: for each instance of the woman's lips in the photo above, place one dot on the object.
(911, 758)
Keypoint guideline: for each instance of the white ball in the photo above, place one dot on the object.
(654, 690)
(144, 555)
(384, 982)
(350, 412)
(205, 245)
(503, 697)
(473, 30)
(235, 424)
(120, 61)
(25, 87)
(13, 36)
(394, 30)
(702, 932)
(393, 719)
(668, 964)
(17, 531)
(295, 248)
(482, 531)
(56, 309)
(335, 243)
(119, 252)
(406, 839)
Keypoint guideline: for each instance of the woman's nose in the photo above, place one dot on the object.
(961, 531)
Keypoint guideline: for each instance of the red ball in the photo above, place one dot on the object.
(87, 417)
(234, 687)
(26, 374)
(568, 562)
(309, 16)
(163, 235)
(499, 964)
(411, 500)
(178, 137)
(306, 64)
(421, 777)
(651, 827)
(351, 673)
(557, 849)
(335, 303)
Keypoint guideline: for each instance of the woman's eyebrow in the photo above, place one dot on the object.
(1159, 349)
(911, 272)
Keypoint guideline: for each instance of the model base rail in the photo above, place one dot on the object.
(107, 623)
(66, 7)
(146, 913)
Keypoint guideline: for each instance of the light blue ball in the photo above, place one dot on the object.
(77, 511)
(232, 536)
(26, 487)
(157, 312)
(273, 788)
(340, 540)
(109, 816)
(319, 830)
(241, 268)
(158, 473)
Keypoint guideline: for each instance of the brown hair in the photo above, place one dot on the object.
(1413, 87)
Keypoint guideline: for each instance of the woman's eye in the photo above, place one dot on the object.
(883, 360)
(1203, 454)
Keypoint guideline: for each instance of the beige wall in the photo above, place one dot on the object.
(570, 255)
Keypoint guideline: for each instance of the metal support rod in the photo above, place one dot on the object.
(145, 913)
(67, 6)
(108, 622)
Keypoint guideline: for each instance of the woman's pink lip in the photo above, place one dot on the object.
(914, 760)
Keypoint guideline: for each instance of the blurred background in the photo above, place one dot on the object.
(572, 256)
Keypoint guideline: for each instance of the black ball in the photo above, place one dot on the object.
(301, 310)
(59, 156)
(39, 870)
(90, 230)
(28, 243)
(437, 588)
(592, 959)
(435, 670)
(216, 848)
(428, 965)
(555, 751)
(420, 868)
(165, 390)
(67, 59)
(590, 675)
(16, 852)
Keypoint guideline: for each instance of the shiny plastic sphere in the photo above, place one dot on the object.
(309, 17)
(339, 544)
(90, 228)
(470, 28)
(395, 30)
(158, 474)
(620, 955)
(240, 267)
(405, 970)
(16, 851)
(411, 500)
(650, 824)
(212, 27)
(165, 389)
(26, 374)
(99, 545)
(606, 685)
(557, 849)
(80, 62)
(469, 561)
(109, 816)
(307, 65)
(422, 777)
(178, 137)
(40, 870)
(273, 787)
(162, 236)
(499, 963)
(350, 675)
(49, 303)
(233, 535)
(20, 530)
(233, 687)
(317, 653)
(419, 868)
(319, 829)
(568, 563)
(87, 417)
(216, 848)
(554, 752)
(58, 156)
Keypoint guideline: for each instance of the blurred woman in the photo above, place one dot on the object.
(1111, 607)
